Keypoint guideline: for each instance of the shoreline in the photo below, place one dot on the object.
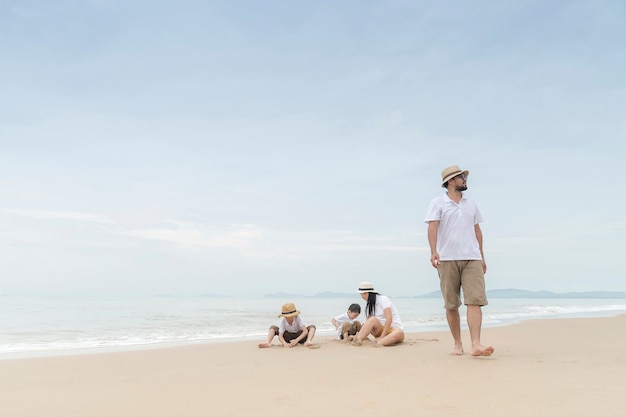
(120, 324)
(327, 334)
(545, 367)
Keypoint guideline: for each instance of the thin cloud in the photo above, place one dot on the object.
(260, 243)
(59, 215)
(387, 248)
(200, 238)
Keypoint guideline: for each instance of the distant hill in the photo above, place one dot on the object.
(515, 293)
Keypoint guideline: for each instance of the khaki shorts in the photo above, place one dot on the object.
(352, 329)
(288, 336)
(468, 275)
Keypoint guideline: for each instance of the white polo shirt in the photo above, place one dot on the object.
(456, 237)
(383, 302)
(341, 319)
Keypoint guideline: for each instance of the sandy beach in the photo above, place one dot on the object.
(563, 367)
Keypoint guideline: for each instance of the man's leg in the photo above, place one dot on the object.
(474, 322)
(473, 282)
(450, 283)
(454, 322)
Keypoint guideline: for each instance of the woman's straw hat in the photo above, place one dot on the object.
(365, 286)
(451, 172)
(289, 310)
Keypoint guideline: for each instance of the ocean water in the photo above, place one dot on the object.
(47, 326)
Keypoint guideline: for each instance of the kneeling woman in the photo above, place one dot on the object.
(383, 320)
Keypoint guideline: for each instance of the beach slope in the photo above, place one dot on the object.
(564, 367)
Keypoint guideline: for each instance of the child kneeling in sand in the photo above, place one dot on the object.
(291, 329)
(345, 323)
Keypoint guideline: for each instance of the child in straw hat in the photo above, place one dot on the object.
(291, 329)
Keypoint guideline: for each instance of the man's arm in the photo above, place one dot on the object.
(433, 228)
(479, 238)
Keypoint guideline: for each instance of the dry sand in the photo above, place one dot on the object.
(551, 368)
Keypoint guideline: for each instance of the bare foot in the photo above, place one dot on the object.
(458, 351)
(311, 345)
(308, 344)
(265, 345)
(482, 351)
(356, 342)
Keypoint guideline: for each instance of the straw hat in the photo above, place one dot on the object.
(451, 172)
(365, 286)
(289, 310)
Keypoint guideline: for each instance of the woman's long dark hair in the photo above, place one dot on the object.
(371, 304)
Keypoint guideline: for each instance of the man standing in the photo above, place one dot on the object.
(456, 247)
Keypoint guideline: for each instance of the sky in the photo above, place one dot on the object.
(245, 147)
